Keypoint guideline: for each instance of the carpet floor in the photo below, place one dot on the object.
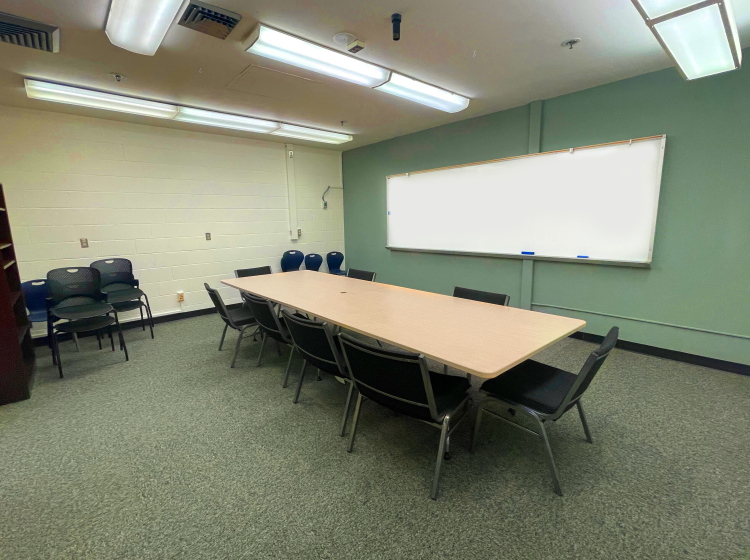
(175, 455)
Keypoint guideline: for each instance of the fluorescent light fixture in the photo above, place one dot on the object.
(140, 25)
(225, 120)
(700, 37)
(425, 94)
(89, 98)
(270, 43)
(304, 133)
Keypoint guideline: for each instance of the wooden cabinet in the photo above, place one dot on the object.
(16, 345)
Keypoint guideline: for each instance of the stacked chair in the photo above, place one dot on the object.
(334, 260)
(77, 305)
(122, 289)
(291, 260)
(313, 261)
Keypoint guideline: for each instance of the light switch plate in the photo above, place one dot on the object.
(208, 237)
(84, 243)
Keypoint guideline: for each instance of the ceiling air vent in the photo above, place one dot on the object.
(28, 33)
(209, 19)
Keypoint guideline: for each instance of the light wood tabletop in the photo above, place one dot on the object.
(479, 338)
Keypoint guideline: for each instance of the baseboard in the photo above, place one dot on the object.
(645, 349)
(675, 355)
(136, 323)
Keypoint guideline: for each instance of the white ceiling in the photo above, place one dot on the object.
(500, 53)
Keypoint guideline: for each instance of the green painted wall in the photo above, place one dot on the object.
(700, 275)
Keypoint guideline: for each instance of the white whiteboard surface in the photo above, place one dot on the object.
(588, 204)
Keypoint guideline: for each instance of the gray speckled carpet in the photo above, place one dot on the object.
(175, 455)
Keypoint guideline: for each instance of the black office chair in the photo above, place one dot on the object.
(122, 289)
(315, 342)
(478, 295)
(270, 326)
(543, 393)
(75, 297)
(402, 382)
(257, 271)
(240, 319)
(360, 275)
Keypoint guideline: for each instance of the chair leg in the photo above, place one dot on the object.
(550, 458)
(111, 338)
(299, 383)
(143, 324)
(475, 434)
(223, 334)
(288, 367)
(122, 338)
(445, 368)
(347, 406)
(99, 338)
(237, 346)
(583, 421)
(150, 316)
(441, 454)
(355, 420)
(75, 340)
(278, 347)
(56, 351)
(263, 338)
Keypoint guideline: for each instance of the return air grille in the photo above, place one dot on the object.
(209, 19)
(28, 33)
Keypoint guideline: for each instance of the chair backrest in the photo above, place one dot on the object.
(221, 308)
(257, 271)
(291, 260)
(396, 379)
(35, 292)
(74, 286)
(264, 313)
(334, 260)
(115, 273)
(315, 342)
(478, 295)
(360, 274)
(590, 368)
(313, 261)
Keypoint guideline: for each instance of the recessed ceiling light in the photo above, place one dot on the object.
(700, 37)
(139, 26)
(100, 100)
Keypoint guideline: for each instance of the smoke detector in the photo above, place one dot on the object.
(344, 38)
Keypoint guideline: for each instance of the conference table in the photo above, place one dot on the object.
(478, 338)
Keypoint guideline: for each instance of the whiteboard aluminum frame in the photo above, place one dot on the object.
(633, 264)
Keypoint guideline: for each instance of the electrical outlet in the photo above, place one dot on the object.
(180, 296)
(208, 237)
(299, 232)
(84, 243)
(325, 205)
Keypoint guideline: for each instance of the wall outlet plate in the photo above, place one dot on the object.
(84, 243)
(299, 232)
(208, 237)
(180, 296)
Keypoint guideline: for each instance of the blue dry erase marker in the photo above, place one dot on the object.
(527, 252)
(583, 256)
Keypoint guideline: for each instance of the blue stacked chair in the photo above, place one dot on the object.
(313, 261)
(334, 260)
(291, 260)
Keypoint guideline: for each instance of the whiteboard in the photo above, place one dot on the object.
(590, 204)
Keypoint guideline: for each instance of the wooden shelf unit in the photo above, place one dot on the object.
(16, 346)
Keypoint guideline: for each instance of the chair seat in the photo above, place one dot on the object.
(241, 316)
(85, 325)
(130, 305)
(449, 391)
(122, 295)
(532, 384)
(82, 311)
(38, 316)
